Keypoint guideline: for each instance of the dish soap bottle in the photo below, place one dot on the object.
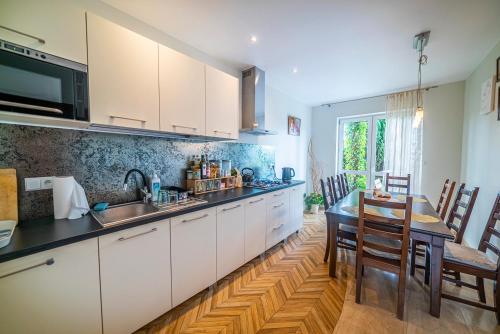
(155, 187)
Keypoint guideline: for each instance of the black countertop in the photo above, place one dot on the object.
(43, 234)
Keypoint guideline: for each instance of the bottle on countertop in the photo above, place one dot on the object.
(155, 187)
(203, 167)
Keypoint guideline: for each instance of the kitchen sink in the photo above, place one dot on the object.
(124, 213)
(129, 212)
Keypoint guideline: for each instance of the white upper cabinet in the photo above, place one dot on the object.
(123, 76)
(135, 276)
(55, 291)
(222, 104)
(182, 93)
(60, 23)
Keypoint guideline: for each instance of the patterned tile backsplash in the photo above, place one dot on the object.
(99, 161)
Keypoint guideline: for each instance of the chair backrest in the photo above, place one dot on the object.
(492, 230)
(402, 182)
(445, 198)
(335, 188)
(347, 187)
(340, 181)
(327, 196)
(384, 228)
(457, 221)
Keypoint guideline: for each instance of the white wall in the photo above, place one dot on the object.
(441, 138)
(291, 151)
(481, 142)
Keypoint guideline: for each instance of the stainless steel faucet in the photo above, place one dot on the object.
(144, 190)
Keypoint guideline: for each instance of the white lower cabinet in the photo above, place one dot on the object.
(296, 208)
(135, 276)
(278, 206)
(230, 238)
(255, 227)
(55, 291)
(194, 253)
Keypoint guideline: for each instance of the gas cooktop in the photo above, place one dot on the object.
(265, 184)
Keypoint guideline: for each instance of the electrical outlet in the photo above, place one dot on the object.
(46, 182)
(32, 183)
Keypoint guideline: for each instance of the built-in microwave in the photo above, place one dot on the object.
(40, 84)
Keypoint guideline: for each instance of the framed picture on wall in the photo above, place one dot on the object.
(293, 126)
(497, 99)
(498, 69)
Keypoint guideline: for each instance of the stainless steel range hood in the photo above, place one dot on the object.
(254, 103)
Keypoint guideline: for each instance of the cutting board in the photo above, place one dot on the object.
(8, 194)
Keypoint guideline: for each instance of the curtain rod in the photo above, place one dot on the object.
(372, 97)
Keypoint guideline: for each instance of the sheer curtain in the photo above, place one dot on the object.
(403, 142)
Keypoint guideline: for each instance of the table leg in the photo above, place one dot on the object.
(437, 245)
(332, 266)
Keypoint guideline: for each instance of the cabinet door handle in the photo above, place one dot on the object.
(279, 205)
(276, 195)
(277, 227)
(184, 127)
(193, 219)
(257, 201)
(48, 262)
(128, 118)
(231, 208)
(224, 132)
(40, 40)
(138, 234)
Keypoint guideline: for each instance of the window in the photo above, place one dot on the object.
(361, 145)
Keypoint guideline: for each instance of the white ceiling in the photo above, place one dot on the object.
(343, 49)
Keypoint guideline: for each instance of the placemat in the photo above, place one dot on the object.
(417, 217)
(402, 198)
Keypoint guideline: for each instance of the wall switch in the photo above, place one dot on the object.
(32, 183)
(46, 182)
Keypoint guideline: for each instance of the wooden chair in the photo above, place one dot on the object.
(445, 198)
(462, 259)
(416, 246)
(389, 182)
(378, 254)
(335, 189)
(340, 181)
(344, 232)
(346, 183)
(457, 222)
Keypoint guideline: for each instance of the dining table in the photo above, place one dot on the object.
(433, 233)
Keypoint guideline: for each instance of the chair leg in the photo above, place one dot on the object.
(497, 298)
(327, 249)
(413, 257)
(427, 272)
(457, 277)
(401, 295)
(359, 277)
(480, 289)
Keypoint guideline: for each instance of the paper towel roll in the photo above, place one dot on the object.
(62, 189)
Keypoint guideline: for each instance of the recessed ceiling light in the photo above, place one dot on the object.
(253, 39)
(295, 70)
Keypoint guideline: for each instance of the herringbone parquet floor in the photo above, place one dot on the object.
(286, 291)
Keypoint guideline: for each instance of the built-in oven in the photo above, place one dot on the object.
(36, 83)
